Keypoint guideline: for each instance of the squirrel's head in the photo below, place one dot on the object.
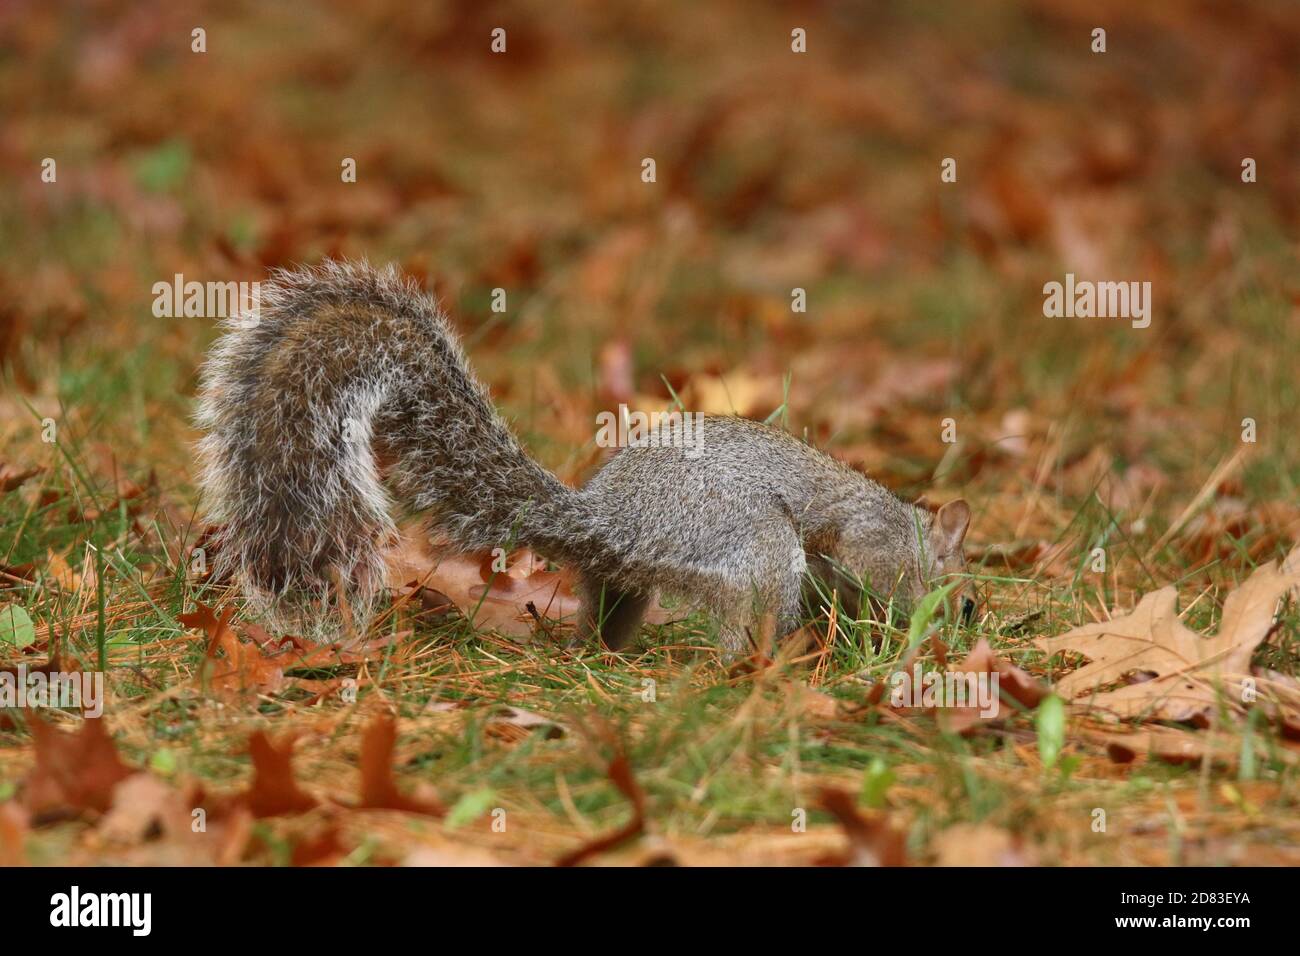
(942, 554)
(914, 552)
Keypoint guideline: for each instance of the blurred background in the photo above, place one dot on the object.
(775, 171)
(923, 357)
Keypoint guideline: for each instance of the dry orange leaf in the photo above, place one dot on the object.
(511, 602)
(274, 791)
(1190, 669)
(60, 572)
(1179, 746)
(13, 834)
(516, 723)
(321, 849)
(620, 774)
(140, 803)
(979, 844)
(231, 666)
(739, 392)
(11, 478)
(151, 815)
(244, 667)
(872, 841)
(378, 789)
(1012, 682)
(497, 600)
(74, 772)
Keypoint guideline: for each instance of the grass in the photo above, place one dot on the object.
(724, 759)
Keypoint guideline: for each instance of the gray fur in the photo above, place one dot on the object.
(733, 529)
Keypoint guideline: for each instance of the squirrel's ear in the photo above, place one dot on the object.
(950, 524)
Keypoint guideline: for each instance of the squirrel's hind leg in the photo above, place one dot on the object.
(748, 619)
(767, 596)
(609, 614)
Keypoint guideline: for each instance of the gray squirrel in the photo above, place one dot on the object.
(345, 367)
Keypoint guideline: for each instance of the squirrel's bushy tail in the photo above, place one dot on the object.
(337, 366)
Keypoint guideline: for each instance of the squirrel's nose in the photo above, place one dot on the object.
(967, 610)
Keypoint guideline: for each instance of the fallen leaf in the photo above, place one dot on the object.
(11, 478)
(516, 723)
(978, 844)
(814, 704)
(74, 772)
(16, 627)
(274, 792)
(154, 823)
(510, 602)
(1177, 745)
(1012, 682)
(1279, 696)
(617, 372)
(13, 834)
(447, 854)
(1189, 668)
(60, 572)
(293, 653)
(872, 841)
(17, 575)
(620, 773)
(1041, 556)
(739, 392)
(233, 667)
(378, 789)
(1013, 434)
(322, 849)
(140, 802)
